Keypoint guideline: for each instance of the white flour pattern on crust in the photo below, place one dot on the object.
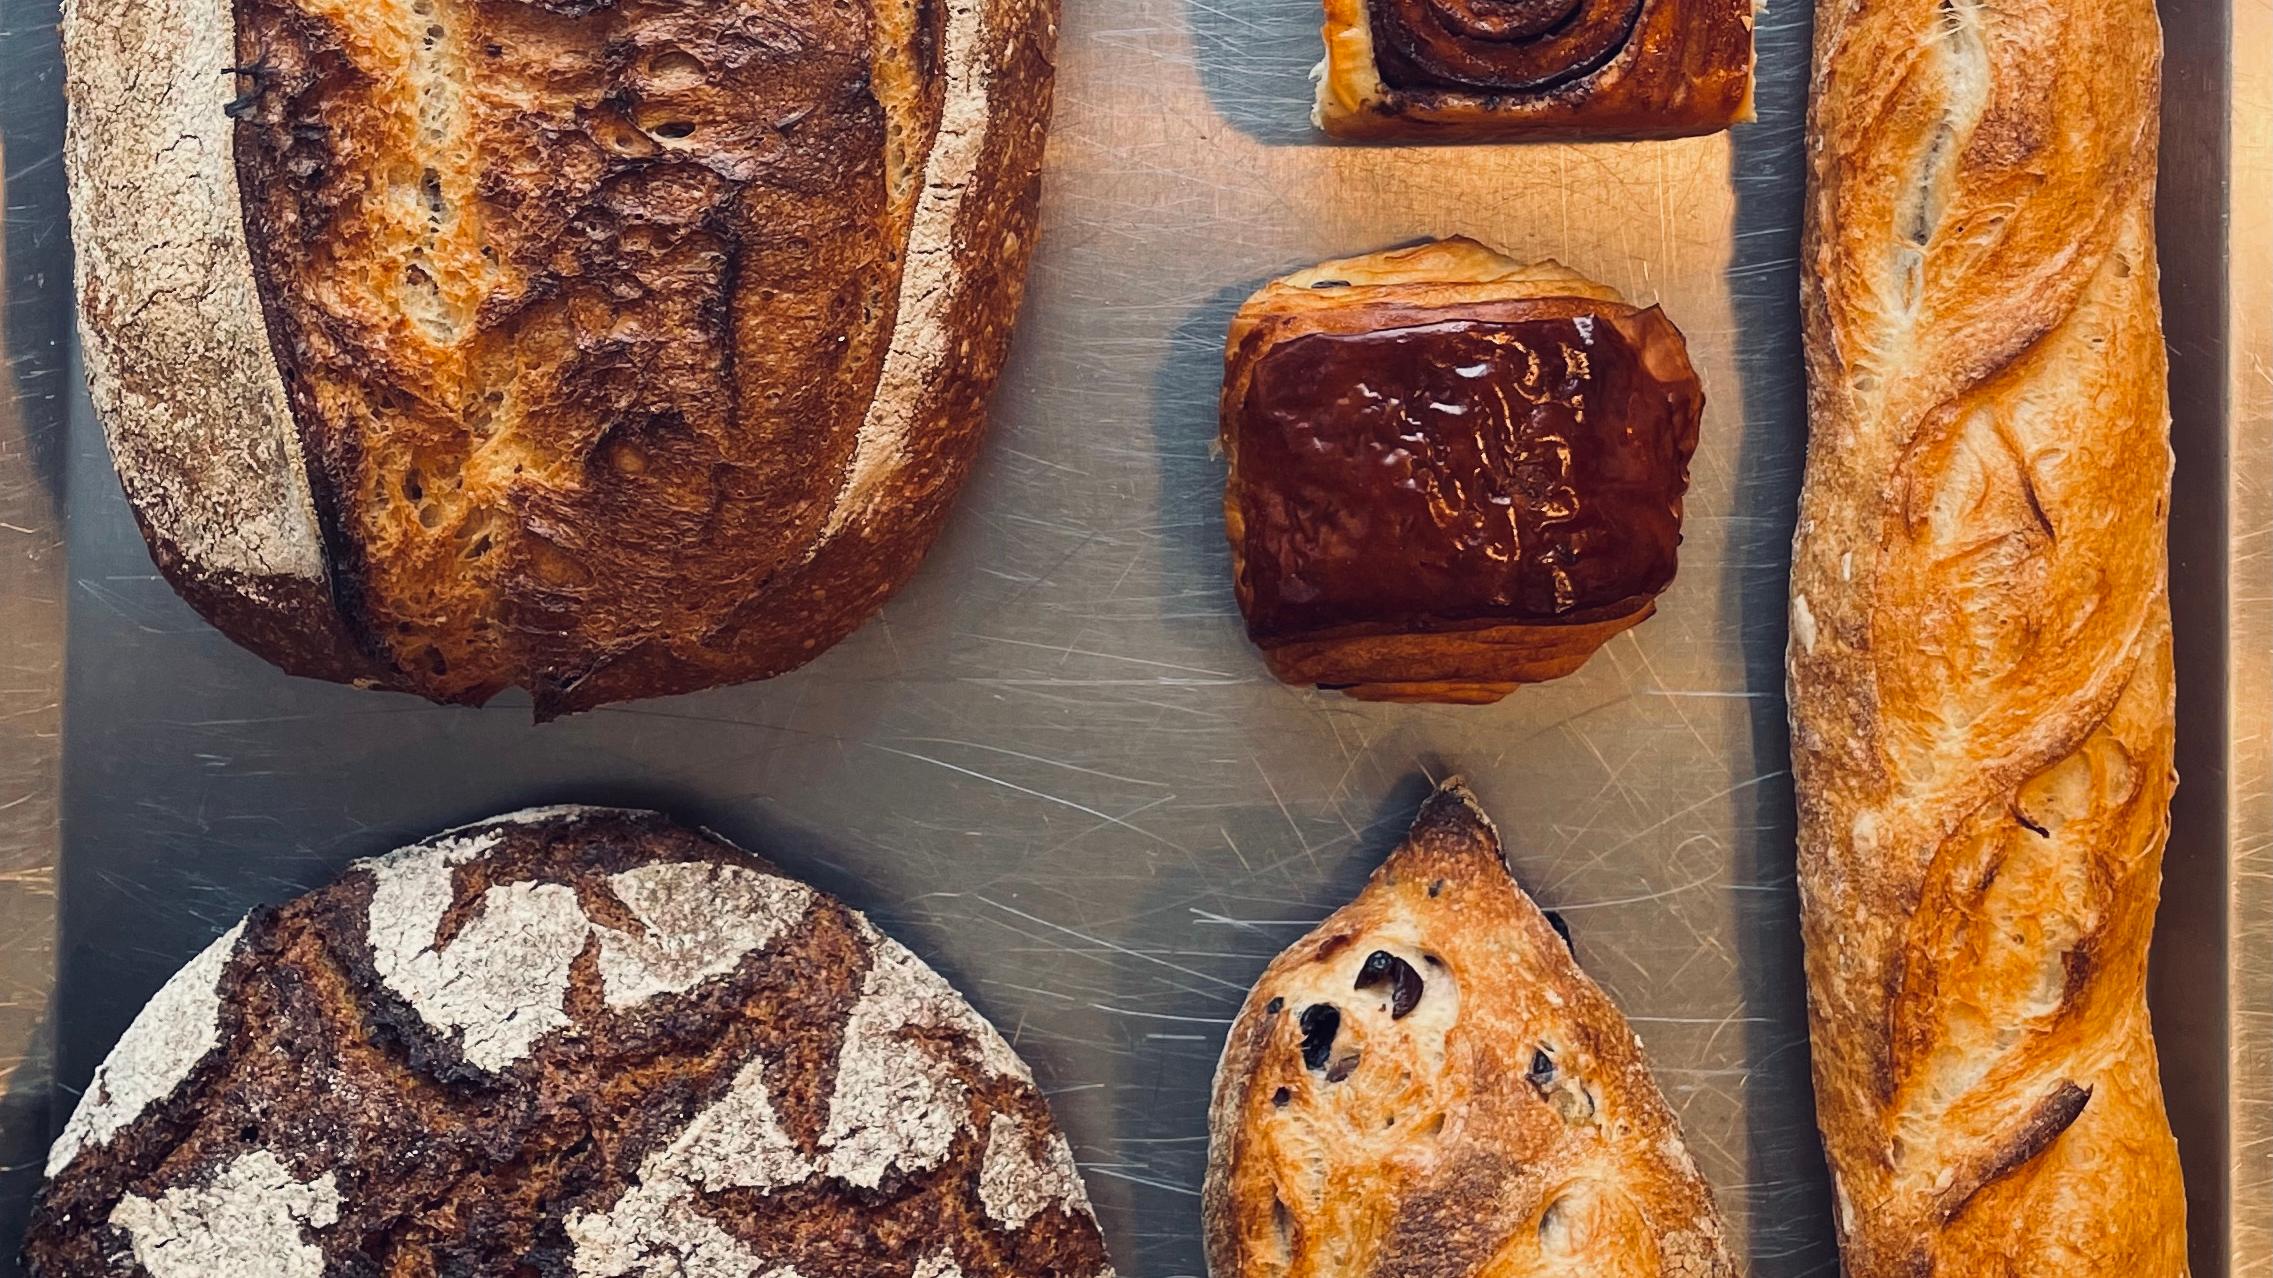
(177, 1029)
(250, 1222)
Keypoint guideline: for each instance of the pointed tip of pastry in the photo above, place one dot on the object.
(1451, 820)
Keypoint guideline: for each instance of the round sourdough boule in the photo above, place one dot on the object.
(570, 1042)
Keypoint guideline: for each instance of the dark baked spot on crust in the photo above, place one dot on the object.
(2053, 1114)
(1320, 1022)
(1452, 1224)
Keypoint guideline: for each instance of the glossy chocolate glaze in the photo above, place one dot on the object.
(1508, 46)
(1436, 474)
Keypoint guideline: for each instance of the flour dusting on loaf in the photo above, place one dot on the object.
(501, 982)
(493, 311)
(697, 922)
(1017, 1182)
(177, 352)
(249, 1223)
(897, 1107)
(625, 1049)
(173, 1033)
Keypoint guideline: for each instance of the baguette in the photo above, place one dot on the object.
(1428, 1086)
(606, 350)
(1980, 661)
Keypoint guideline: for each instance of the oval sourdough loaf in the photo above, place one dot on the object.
(568, 1042)
(1427, 1086)
(604, 349)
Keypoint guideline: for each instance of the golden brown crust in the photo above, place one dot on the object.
(1476, 1105)
(1980, 660)
(625, 349)
(1467, 657)
(1682, 67)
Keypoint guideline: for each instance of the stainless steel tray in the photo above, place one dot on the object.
(1055, 767)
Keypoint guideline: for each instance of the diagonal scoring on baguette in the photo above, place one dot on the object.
(1980, 674)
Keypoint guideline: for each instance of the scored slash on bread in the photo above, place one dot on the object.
(1428, 1086)
(1981, 677)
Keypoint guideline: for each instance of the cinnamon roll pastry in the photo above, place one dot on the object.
(1503, 70)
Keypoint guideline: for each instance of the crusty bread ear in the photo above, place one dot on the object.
(1427, 1086)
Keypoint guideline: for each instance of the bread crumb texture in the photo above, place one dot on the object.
(586, 1041)
(599, 349)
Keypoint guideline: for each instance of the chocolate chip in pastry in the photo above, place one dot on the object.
(1491, 70)
(1451, 474)
(1428, 1086)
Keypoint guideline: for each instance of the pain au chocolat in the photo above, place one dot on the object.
(1450, 473)
(1497, 70)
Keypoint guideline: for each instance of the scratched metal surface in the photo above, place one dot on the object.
(1054, 767)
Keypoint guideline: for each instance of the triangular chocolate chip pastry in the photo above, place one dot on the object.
(1427, 1086)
